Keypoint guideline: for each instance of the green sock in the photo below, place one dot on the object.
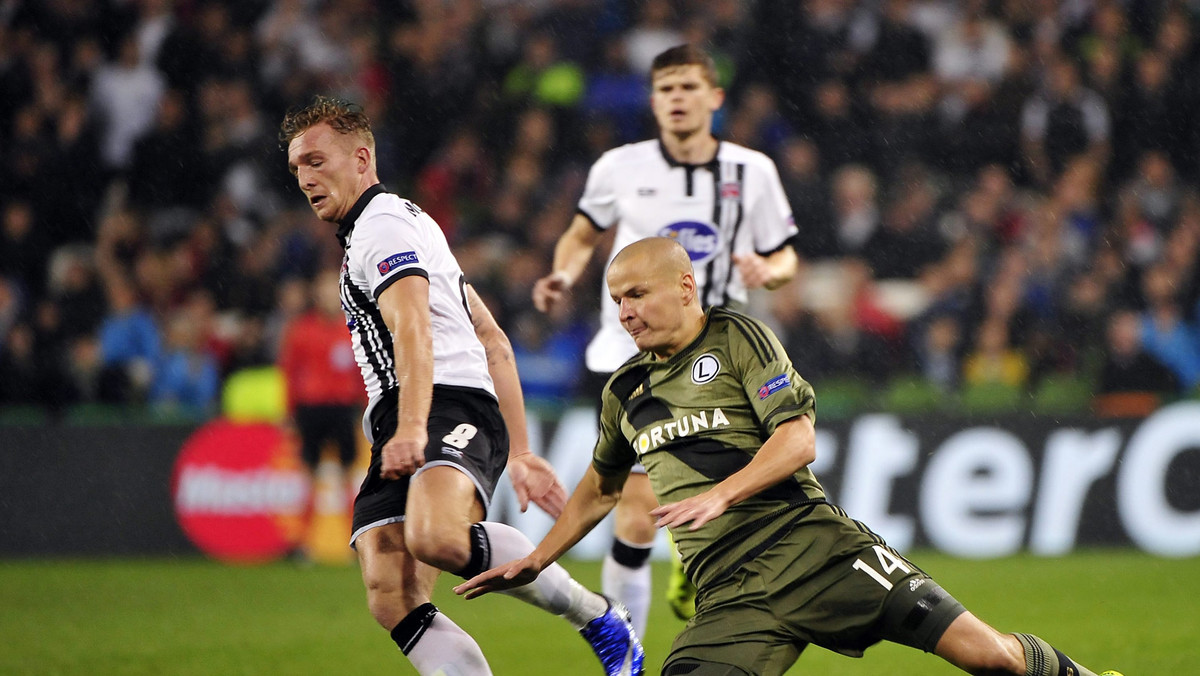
(1041, 659)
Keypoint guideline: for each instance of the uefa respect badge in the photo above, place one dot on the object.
(240, 491)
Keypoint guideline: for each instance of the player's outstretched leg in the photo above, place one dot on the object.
(975, 647)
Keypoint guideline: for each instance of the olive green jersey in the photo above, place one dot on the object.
(700, 416)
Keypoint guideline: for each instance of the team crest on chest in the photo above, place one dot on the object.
(705, 368)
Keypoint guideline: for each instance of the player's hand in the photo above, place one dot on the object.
(516, 573)
(404, 453)
(698, 510)
(533, 479)
(550, 290)
(755, 271)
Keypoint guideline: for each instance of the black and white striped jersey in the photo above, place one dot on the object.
(733, 204)
(387, 238)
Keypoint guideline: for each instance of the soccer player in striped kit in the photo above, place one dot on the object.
(433, 361)
(725, 204)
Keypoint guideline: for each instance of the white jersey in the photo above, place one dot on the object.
(733, 204)
(386, 239)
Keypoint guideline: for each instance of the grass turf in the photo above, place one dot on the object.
(187, 617)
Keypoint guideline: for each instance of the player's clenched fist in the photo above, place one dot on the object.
(549, 290)
(403, 454)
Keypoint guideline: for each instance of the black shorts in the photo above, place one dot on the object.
(318, 425)
(466, 431)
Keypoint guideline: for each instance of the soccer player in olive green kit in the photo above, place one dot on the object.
(724, 426)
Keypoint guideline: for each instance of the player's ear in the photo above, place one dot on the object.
(687, 287)
(718, 98)
(362, 156)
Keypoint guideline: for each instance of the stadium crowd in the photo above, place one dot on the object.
(987, 192)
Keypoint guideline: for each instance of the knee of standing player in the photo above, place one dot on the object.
(438, 547)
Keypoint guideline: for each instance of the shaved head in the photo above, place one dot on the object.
(653, 283)
(662, 254)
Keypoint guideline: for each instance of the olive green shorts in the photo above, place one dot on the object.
(821, 584)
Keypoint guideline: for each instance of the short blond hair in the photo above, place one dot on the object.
(341, 116)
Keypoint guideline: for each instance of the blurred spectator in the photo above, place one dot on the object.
(22, 247)
(653, 33)
(839, 127)
(324, 388)
(158, 176)
(74, 290)
(618, 93)
(125, 95)
(993, 360)
(799, 165)
(130, 345)
(455, 178)
(906, 241)
(1166, 332)
(1127, 367)
(937, 350)
(855, 207)
(186, 378)
(1063, 120)
(24, 375)
(1150, 115)
(898, 84)
(547, 350)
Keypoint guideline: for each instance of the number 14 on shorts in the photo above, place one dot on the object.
(888, 563)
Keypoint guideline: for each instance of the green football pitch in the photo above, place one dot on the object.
(1109, 609)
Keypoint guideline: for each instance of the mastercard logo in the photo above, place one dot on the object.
(240, 492)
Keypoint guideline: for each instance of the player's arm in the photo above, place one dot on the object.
(405, 308)
(593, 499)
(571, 255)
(532, 477)
(771, 271)
(789, 449)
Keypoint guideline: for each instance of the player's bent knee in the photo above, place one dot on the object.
(694, 667)
(443, 553)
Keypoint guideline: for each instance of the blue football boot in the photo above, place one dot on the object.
(615, 643)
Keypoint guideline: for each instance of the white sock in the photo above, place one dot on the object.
(630, 586)
(444, 649)
(554, 590)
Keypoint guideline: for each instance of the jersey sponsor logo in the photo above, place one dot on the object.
(773, 385)
(683, 426)
(700, 240)
(396, 260)
(646, 192)
(705, 368)
(731, 190)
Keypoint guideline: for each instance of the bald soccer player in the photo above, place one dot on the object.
(723, 424)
